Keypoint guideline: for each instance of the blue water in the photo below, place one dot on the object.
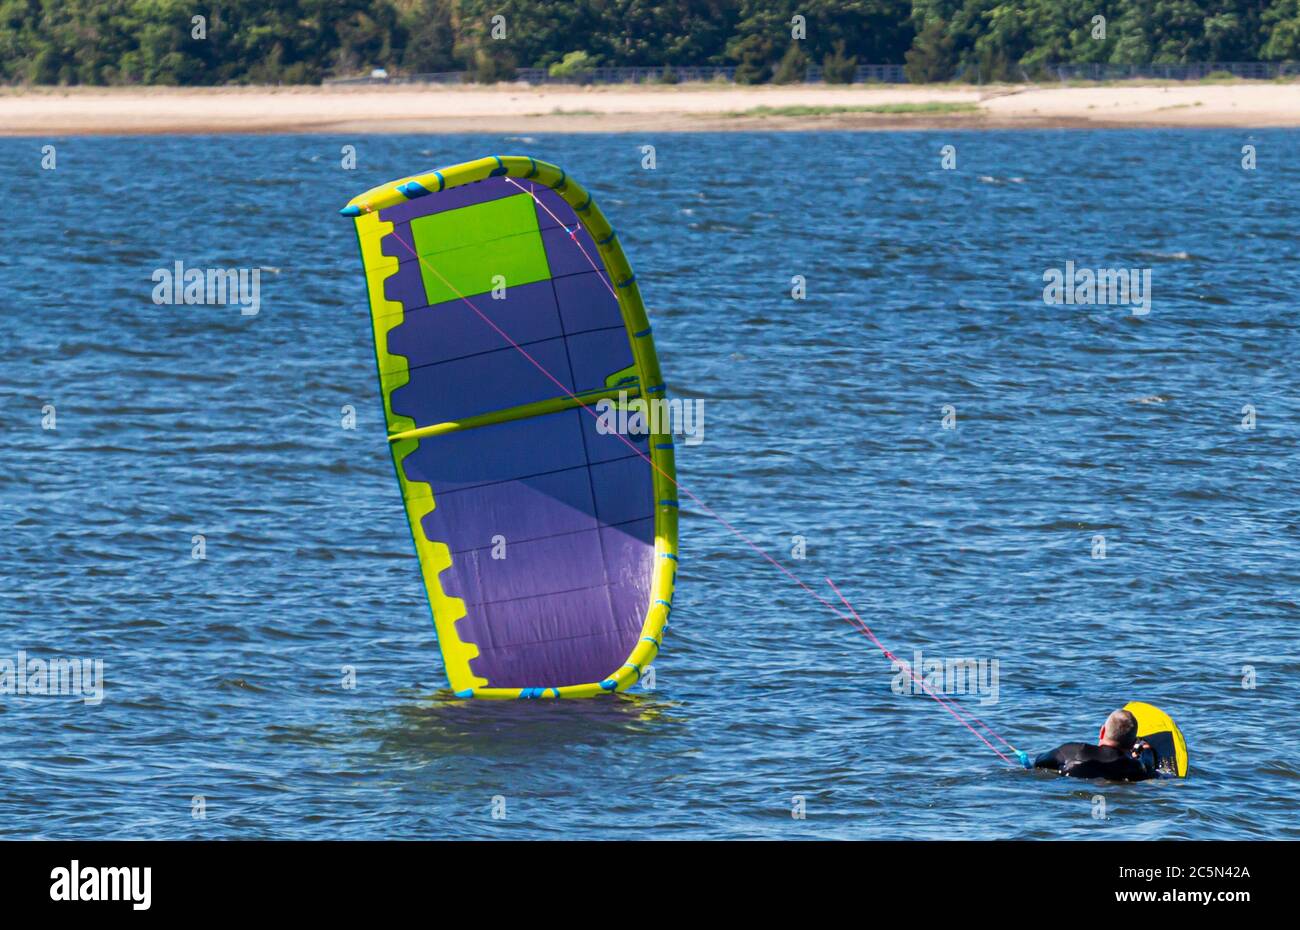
(823, 418)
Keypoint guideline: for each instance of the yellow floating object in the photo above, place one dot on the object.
(1159, 729)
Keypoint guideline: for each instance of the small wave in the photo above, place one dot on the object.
(990, 179)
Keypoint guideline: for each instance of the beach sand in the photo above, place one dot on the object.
(521, 109)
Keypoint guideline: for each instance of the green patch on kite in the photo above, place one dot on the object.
(462, 252)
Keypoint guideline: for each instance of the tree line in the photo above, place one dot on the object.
(189, 42)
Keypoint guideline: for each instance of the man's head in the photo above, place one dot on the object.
(1120, 730)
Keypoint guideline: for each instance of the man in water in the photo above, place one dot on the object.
(1118, 754)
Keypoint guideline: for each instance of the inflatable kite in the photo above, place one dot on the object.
(505, 315)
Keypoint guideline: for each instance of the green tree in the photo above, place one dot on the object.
(1282, 24)
(873, 31)
(839, 67)
(426, 40)
(793, 67)
(753, 57)
(292, 41)
(762, 33)
(574, 64)
(930, 59)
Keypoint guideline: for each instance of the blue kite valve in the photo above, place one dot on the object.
(1024, 759)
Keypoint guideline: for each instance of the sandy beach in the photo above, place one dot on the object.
(519, 108)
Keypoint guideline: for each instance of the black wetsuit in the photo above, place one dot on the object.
(1082, 760)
